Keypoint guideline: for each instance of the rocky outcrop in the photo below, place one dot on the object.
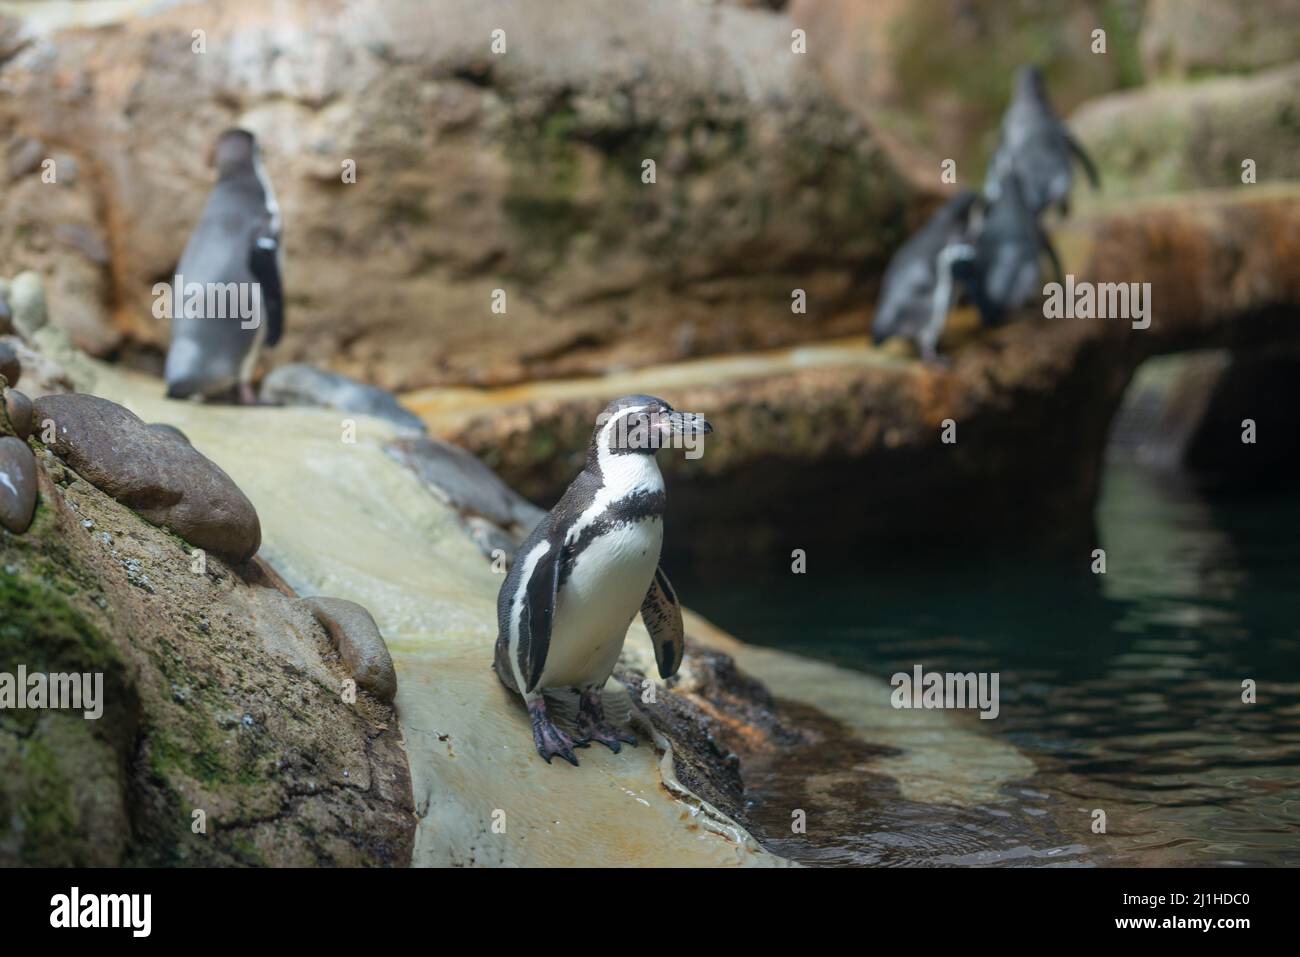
(1226, 418)
(229, 698)
(224, 737)
(524, 174)
(844, 443)
(933, 79)
(496, 516)
(1173, 137)
(301, 384)
(1190, 38)
(167, 482)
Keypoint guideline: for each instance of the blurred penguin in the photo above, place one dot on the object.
(236, 241)
(1005, 272)
(1036, 145)
(918, 288)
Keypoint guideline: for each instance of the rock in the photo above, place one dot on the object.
(523, 175)
(6, 315)
(302, 384)
(27, 302)
(41, 374)
(933, 79)
(169, 432)
(21, 413)
(835, 425)
(464, 482)
(17, 484)
(167, 482)
(360, 644)
(1195, 38)
(1177, 137)
(10, 367)
(217, 694)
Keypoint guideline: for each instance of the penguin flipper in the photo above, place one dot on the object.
(1046, 242)
(264, 263)
(538, 615)
(1089, 168)
(662, 615)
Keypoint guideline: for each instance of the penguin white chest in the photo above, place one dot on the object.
(597, 602)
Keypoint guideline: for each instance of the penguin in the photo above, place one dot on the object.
(1005, 272)
(588, 567)
(918, 288)
(234, 255)
(1036, 145)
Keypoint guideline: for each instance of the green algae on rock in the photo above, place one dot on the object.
(224, 738)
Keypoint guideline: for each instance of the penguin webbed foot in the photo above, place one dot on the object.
(550, 740)
(593, 726)
(930, 356)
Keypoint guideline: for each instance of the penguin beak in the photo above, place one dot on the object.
(688, 423)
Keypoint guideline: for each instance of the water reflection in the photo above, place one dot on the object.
(1125, 688)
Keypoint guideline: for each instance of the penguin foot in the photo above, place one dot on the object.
(593, 726)
(246, 394)
(549, 739)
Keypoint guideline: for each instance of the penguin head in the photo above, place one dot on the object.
(1030, 83)
(643, 424)
(235, 152)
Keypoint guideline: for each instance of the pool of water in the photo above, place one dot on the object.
(1124, 688)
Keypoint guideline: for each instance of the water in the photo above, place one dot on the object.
(1124, 688)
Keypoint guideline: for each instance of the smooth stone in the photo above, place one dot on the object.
(17, 484)
(360, 644)
(21, 412)
(302, 384)
(169, 432)
(27, 301)
(10, 367)
(465, 482)
(166, 482)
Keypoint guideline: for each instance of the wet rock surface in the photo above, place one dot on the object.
(360, 645)
(17, 484)
(302, 384)
(167, 482)
(495, 515)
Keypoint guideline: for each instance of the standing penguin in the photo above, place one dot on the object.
(918, 290)
(1005, 273)
(233, 259)
(590, 564)
(1037, 146)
